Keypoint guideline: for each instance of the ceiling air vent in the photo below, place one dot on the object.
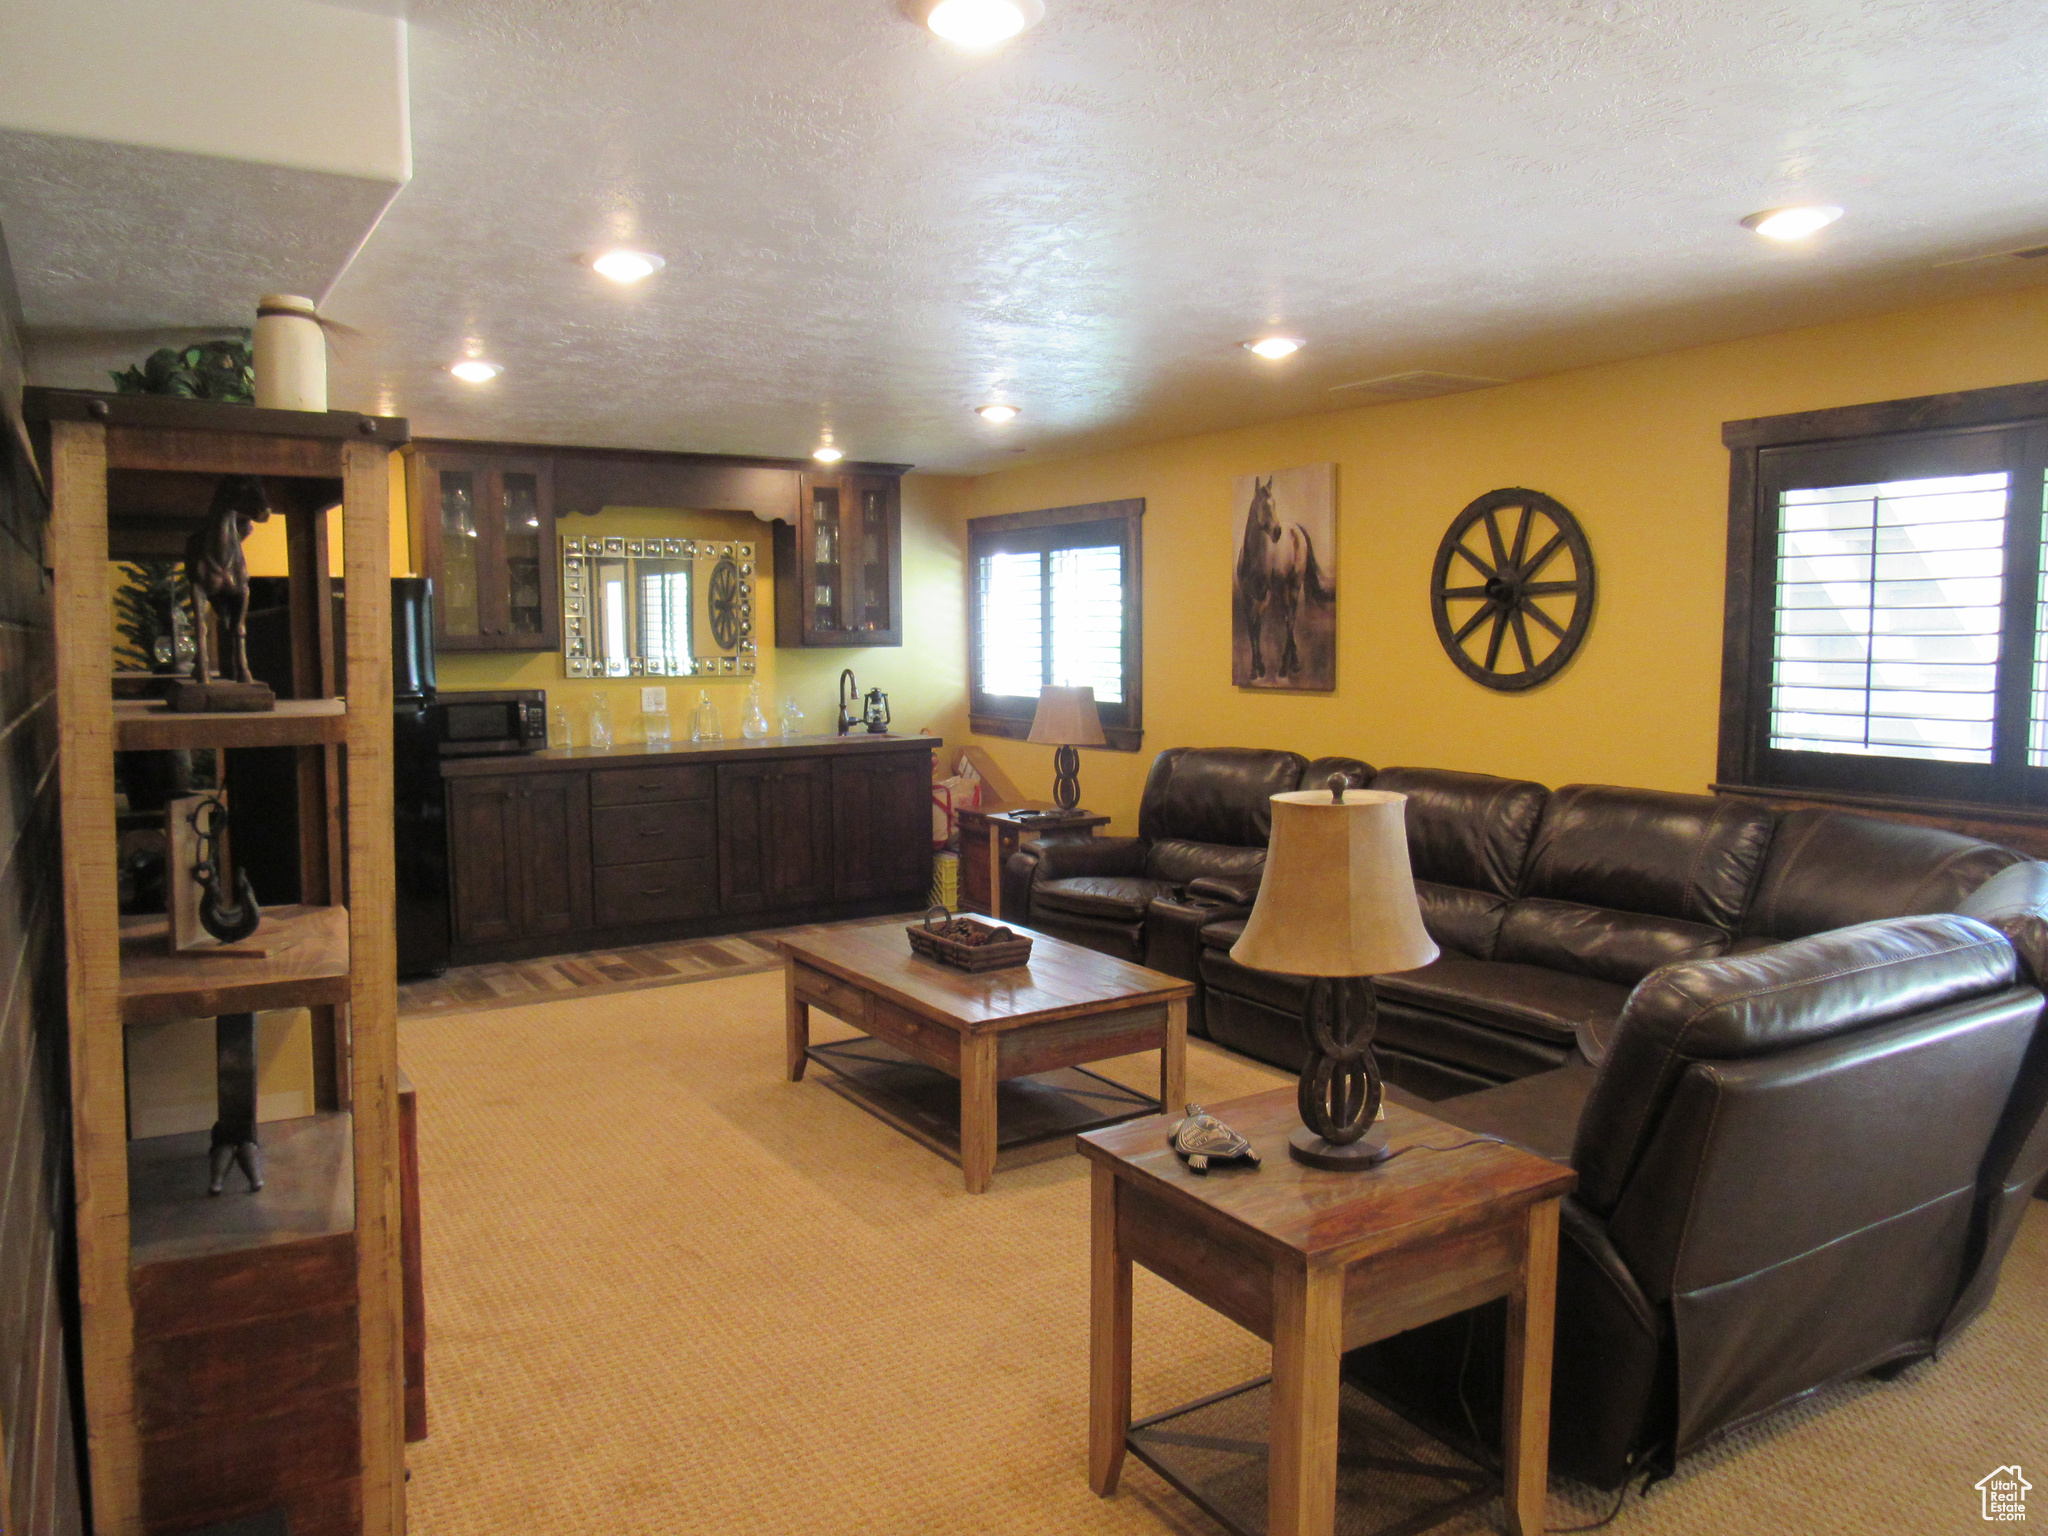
(1419, 385)
(2021, 253)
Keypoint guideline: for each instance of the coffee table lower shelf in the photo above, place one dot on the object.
(1214, 1450)
(1037, 1117)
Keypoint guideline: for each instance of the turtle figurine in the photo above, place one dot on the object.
(1202, 1139)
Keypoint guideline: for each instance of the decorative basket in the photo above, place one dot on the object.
(957, 941)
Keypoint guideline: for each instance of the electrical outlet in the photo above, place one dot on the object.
(653, 701)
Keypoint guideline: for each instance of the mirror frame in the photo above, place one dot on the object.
(578, 618)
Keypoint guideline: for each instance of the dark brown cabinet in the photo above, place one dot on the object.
(521, 856)
(775, 834)
(569, 850)
(839, 569)
(881, 818)
(483, 527)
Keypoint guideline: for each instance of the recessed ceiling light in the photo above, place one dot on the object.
(1275, 347)
(475, 370)
(997, 413)
(979, 23)
(626, 266)
(1792, 223)
(827, 454)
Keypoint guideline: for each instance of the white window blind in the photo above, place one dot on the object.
(1886, 633)
(1088, 621)
(2037, 725)
(665, 616)
(1052, 617)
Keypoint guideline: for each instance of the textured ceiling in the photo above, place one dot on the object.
(868, 233)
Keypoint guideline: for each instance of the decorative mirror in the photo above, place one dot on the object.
(657, 607)
(1512, 589)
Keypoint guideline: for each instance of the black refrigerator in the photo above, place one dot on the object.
(419, 806)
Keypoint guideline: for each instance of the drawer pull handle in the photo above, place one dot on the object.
(648, 784)
(651, 831)
(655, 890)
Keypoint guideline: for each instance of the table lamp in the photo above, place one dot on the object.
(1066, 719)
(1337, 905)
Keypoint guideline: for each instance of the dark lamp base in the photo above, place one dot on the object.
(1369, 1151)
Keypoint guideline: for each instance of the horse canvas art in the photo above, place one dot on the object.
(1283, 618)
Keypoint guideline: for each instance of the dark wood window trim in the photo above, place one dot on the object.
(991, 716)
(1883, 429)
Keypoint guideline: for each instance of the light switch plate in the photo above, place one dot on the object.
(653, 701)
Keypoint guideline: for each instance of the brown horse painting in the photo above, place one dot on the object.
(1278, 581)
(219, 574)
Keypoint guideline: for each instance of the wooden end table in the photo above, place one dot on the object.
(988, 838)
(1069, 1005)
(1319, 1263)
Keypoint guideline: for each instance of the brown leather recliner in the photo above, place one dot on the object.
(1203, 824)
(1779, 1187)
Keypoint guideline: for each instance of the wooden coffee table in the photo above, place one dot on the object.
(1318, 1263)
(1069, 1005)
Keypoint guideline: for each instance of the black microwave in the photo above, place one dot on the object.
(477, 724)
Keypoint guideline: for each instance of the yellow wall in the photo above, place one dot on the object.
(1633, 448)
(264, 549)
(925, 677)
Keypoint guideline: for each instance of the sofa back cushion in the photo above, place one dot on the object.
(1180, 860)
(1216, 794)
(1828, 869)
(1468, 834)
(1621, 881)
(1468, 829)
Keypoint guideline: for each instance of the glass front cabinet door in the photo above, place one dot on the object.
(839, 571)
(483, 527)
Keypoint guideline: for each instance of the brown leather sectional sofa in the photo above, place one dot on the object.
(1797, 1058)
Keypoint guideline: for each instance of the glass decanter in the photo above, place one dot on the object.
(753, 723)
(600, 721)
(792, 717)
(704, 719)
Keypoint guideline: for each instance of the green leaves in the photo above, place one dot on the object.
(212, 370)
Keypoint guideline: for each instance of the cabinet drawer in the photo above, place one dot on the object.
(641, 834)
(654, 893)
(644, 786)
(844, 1002)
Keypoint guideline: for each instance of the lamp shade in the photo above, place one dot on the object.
(1066, 718)
(1338, 896)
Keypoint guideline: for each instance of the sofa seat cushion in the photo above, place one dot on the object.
(1120, 898)
(1547, 1005)
(1539, 1113)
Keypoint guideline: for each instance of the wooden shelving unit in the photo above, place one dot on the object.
(144, 727)
(241, 1352)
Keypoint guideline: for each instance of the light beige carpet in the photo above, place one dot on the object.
(669, 1292)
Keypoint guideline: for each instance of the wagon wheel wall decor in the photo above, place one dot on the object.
(1512, 590)
(723, 604)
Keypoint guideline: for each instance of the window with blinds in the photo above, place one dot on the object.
(1888, 618)
(1053, 602)
(1888, 601)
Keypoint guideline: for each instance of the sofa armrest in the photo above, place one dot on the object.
(1016, 875)
(1235, 891)
(1173, 933)
(1090, 856)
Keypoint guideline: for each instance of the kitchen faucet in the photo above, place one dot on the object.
(849, 701)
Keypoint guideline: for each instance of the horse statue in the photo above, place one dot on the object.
(219, 575)
(1276, 570)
